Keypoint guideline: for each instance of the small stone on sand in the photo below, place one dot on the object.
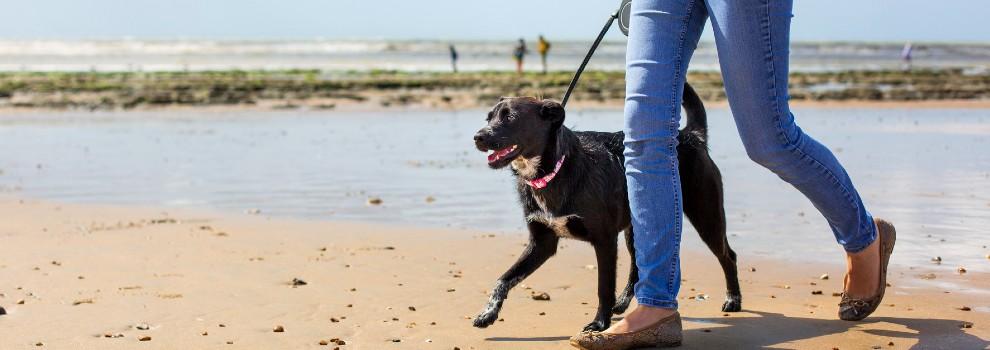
(2, 311)
(205, 333)
(965, 308)
(412, 308)
(961, 270)
(937, 260)
(430, 199)
(966, 325)
(298, 282)
(142, 326)
(324, 342)
(144, 338)
(541, 296)
(816, 292)
(20, 302)
(278, 329)
(824, 276)
(374, 201)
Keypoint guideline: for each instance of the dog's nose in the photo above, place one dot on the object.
(480, 137)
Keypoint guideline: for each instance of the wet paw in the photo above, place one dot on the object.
(733, 303)
(596, 326)
(485, 319)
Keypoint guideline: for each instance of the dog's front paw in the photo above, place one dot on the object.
(596, 326)
(485, 319)
(733, 303)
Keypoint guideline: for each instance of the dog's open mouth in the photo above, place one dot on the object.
(508, 152)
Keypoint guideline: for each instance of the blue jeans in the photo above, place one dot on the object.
(752, 38)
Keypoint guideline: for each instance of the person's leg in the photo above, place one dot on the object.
(662, 37)
(753, 38)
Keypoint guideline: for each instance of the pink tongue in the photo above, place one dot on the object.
(499, 154)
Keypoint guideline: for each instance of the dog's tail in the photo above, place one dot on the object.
(697, 119)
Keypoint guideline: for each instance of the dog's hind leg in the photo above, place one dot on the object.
(711, 228)
(542, 245)
(605, 252)
(627, 294)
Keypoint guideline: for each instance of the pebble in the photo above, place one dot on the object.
(334, 320)
(278, 329)
(824, 276)
(965, 308)
(144, 338)
(142, 327)
(961, 270)
(451, 290)
(430, 199)
(966, 325)
(928, 276)
(752, 269)
(20, 302)
(205, 333)
(324, 342)
(2, 311)
(543, 313)
(412, 308)
(39, 344)
(113, 335)
(937, 260)
(540, 296)
(374, 201)
(298, 282)
(816, 292)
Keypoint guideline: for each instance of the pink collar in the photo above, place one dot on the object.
(544, 181)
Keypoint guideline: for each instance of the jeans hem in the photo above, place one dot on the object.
(871, 237)
(663, 304)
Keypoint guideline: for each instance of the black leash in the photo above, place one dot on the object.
(591, 52)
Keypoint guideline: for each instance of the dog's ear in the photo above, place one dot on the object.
(552, 111)
(502, 98)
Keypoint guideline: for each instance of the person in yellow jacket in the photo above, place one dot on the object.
(543, 46)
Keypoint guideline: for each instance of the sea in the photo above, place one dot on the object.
(432, 55)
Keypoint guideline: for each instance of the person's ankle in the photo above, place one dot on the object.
(641, 317)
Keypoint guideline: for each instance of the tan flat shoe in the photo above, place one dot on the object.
(851, 309)
(662, 334)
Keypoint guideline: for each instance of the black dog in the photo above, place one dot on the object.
(573, 184)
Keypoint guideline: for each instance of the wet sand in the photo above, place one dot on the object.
(102, 277)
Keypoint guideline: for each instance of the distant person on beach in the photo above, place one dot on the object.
(453, 57)
(906, 56)
(543, 47)
(753, 40)
(518, 54)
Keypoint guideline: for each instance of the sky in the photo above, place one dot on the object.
(815, 20)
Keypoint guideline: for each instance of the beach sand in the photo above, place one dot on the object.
(103, 277)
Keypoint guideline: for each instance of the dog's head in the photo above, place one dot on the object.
(518, 127)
